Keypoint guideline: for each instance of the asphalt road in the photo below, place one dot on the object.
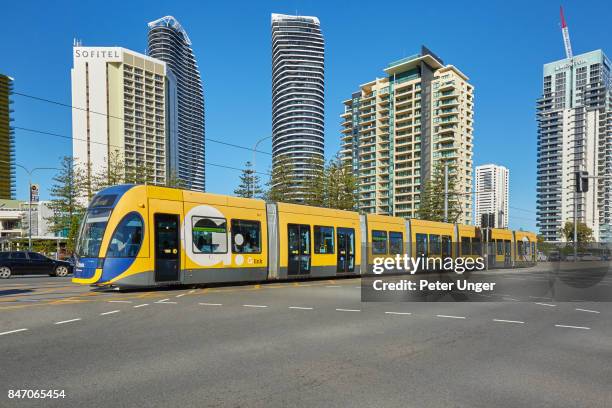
(297, 344)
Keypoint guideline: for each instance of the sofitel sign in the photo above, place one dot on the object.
(97, 53)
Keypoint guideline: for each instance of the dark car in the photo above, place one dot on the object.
(31, 263)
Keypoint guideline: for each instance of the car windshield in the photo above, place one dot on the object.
(92, 232)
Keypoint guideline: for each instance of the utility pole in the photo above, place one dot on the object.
(445, 192)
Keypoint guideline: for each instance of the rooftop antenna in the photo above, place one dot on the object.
(566, 37)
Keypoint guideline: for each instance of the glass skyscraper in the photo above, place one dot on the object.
(297, 96)
(168, 42)
(7, 140)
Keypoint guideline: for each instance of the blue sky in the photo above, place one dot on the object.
(501, 46)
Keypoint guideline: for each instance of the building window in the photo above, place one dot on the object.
(209, 235)
(323, 240)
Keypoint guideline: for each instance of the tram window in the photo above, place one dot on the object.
(396, 242)
(421, 244)
(500, 247)
(520, 248)
(246, 237)
(323, 240)
(434, 245)
(106, 200)
(476, 246)
(466, 246)
(446, 246)
(209, 235)
(507, 247)
(127, 238)
(379, 242)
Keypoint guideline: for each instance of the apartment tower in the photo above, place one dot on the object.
(396, 130)
(122, 104)
(297, 96)
(492, 182)
(575, 133)
(7, 140)
(168, 42)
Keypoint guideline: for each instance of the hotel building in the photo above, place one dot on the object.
(575, 134)
(122, 103)
(7, 140)
(297, 95)
(492, 182)
(168, 42)
(397, 129)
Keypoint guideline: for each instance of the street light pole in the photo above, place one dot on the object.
(254, 157)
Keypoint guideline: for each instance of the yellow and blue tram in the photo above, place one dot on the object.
(144, 236)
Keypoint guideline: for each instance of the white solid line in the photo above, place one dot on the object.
(181, 295)
(166, 303)
(573, 327)
(398, 313)
(451, 317)
(332, 286)
(300, 308)
(588, 311)
(119, 301)
(163, 300)
(68, 321)
(141, 305)
(254, 306)
(546, 304)
(508, 321)
(348, 310)
(210, 304)
(13, 331)
(111, 312)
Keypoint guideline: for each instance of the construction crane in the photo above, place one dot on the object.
(566, 37)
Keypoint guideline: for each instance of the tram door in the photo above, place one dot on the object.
(346, 250)
(167, 247)
(299, 249)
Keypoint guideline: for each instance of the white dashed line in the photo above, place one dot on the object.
(573, 327)
(68, 321)
(12, 331)
(451, 317)
(165, 302)
(588, 311)
(111, 312)
(254, 306)
(192, 291)
(348, 310)
(141, 305)
(332, 286)
(210, 304)
(119, 301)
(398, 313)
(546, 304)
(508, 321)
(181, 295)
(300, 308)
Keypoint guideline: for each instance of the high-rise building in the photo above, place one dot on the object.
(122, 105)
(398, 129)
(492, 192)
(7, 140)
(297, 95)
(169, 42)
(575, 134)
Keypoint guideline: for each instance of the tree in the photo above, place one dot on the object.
(585, 234)
(341, 185)
(281, 185)
(68, 200)
(112, 174)
(174, 181)
(316, 185)
(249, 186)
(141, 173)
(431, 207)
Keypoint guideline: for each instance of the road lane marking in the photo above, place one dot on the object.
(348, 310)
(165, 302)
(398, 313)
(300, 308)
(508, 321)
(332, 286)
(181, 295)
(68, 321)
(546, 304)
(451, 317)
(111, 312)
(119, 301)
(254, 306)
(588, 311)
(210, 304)
(12, 331)
(192, 291)
(141, 305)
(573, 327)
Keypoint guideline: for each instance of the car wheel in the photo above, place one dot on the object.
(5, 272)
(61, 271)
